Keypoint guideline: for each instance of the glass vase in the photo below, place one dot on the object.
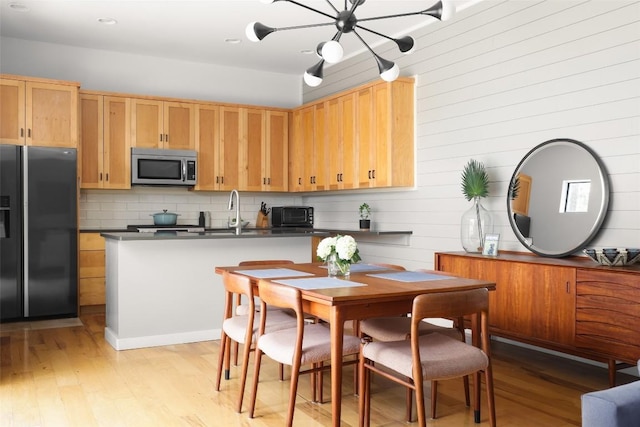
(475, 224)
(337, 267)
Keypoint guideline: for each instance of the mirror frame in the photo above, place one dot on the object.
(595, 228)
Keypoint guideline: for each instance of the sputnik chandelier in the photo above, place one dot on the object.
(346, 22)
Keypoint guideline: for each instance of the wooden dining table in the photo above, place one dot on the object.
(369, 291)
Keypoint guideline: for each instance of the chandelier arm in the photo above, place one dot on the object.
(374, 32)
(313, 9)
(400, 15)
(298, 27)
(333, 7)
(364, 43)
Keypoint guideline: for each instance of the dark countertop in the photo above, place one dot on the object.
(273, 231)
(216, 233)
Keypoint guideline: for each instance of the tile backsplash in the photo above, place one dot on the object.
(109, 209)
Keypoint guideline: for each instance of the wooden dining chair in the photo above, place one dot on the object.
(396, 328)
(435, 356)
(307, 344)
(242, 308)
(243, 329)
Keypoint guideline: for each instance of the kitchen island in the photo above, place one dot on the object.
(161, 288)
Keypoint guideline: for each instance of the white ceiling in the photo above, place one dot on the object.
(195, 30)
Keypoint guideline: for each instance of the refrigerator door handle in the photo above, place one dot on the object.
(25, 229)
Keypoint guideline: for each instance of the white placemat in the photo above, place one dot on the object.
(270, 273)
(410, 276)
(319, 283)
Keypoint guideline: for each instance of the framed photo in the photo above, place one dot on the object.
(491, 242)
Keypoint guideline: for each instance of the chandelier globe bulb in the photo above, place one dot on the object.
(332, 52)
(390, 74)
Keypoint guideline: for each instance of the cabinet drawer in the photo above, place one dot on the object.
(92, 291)
(92, 264)
(608, 313)
(91, 242)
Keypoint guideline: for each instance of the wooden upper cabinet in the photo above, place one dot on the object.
(38, 112)
(179, 125)
(341, 140)
(105, 141)
(12, 112)
(386, 139)
(207, 146)
(296, 152)
(362, 138)
(229, 165)
(253, 150)
(162, 124)
(276, 158)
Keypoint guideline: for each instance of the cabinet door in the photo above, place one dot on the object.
(229, 154)
(51, 115)
(146, 123)
(402, 138)
(207, 140)
(531, 302)
(179, 126)
(91, 141)
(117, 142)
(253, 150)
(348, 145)
(381, 148)
(296, 152)
(366, 144)
(308, 135)
(276, 161)
(341, 139)
(12, 112)
(316, 156)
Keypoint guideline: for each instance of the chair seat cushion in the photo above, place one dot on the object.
(236, 327)
(316, 344)
(615, 407)
(442, 357)
(399, 328)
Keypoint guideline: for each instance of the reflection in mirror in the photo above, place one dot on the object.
(558, 198)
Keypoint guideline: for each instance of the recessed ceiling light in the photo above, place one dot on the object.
(306, 51)
(107, 21)
(19, 7)
(232, 41)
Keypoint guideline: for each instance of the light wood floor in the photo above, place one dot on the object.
(71, 377)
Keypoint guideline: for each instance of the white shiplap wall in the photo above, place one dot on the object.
(492, 83)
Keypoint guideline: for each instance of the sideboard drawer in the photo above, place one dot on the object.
(608, 313)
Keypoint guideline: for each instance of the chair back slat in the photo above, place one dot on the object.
(450, 304)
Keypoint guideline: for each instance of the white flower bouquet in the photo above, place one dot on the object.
(340, 250)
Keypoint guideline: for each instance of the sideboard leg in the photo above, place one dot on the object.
(612, 373)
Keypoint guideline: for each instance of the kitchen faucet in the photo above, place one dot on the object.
(238, 221)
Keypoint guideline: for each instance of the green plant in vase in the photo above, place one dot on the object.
(477, 221)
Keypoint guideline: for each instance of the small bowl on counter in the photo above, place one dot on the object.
(613, 257)
(232, 223)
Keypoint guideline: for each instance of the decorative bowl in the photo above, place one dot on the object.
(614, 256)
(232, 223)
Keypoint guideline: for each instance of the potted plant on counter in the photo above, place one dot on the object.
(365, 212)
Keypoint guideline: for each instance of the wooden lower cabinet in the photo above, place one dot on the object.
(92, 270)
(570, 305)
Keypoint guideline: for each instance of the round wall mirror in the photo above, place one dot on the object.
(558, 197)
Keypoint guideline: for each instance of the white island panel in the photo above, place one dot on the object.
(162, 292)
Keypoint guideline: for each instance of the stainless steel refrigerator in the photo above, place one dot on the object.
(38, 232)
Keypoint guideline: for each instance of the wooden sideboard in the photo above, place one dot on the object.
(571, 305)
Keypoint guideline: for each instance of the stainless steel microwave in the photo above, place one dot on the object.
(292, 216)
(150, 166)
